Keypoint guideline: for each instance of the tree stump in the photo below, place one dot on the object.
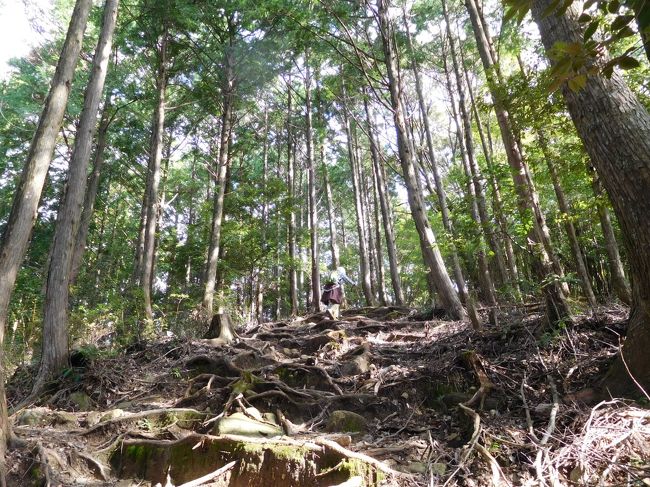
(221, 327)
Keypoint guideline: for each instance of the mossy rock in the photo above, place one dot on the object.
(243, 425)
(81, 401)
(113, 414)
(33, 417)
(346, 422)
(65, 418)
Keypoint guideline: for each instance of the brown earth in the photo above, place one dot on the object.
(436, 403)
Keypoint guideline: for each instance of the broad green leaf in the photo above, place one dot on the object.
(613, 6)
(591, 30)
(627, 62)
(622, 21)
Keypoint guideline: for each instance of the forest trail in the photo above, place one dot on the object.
(385, 396)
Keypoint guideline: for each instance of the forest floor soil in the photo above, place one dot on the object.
(383, 396)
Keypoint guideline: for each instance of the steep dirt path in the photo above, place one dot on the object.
(383, 397)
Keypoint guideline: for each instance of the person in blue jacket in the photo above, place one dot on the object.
(333, 294)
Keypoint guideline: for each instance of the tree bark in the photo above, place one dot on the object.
(13, 244)
(381, 287)
(615, 129)
(223, 163)
(259, 273)
(386, 213)
(54, 356)
(476, 191)
(557, 307)
(431, 253)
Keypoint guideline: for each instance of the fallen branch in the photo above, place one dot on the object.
(332, 445)
(210, 476)
(497, 473)
(485, 384)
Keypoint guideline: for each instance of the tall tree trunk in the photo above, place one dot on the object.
(557, 307)
(311, 181)
(365, 188)
(386, 213)
(153, 183)
(475, 191)
(15, 239)
(615, 129)
(303, 223)
(475, 171)
(431, 252)
(361, 230)
(54, 356)
(331, 216)
(91, 193)
(437, 178)
(136, 275)
(504, 239)
(619, 282)
(291, 224)
(260, 281)
(381, 286)
(190, 228)
(570, 228)
(223, 164)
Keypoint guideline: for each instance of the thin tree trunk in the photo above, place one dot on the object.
(303, 223)
(381, 286)
(291, 230)
(431, 252)
(570, 228)
(386, 213)
(311, 175)
(91, 193)
(619, 282)
(260, 279)
(475, 182)
(334, 246)
(190, 228)
(497, 203)
(615, 129)
(361, 230)
(557, 307)
(153, 184)
(440, 189)
(136, 275)
(221, 183)
(475, 171)
(365, 188)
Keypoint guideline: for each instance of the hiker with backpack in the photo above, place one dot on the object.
(333, 293)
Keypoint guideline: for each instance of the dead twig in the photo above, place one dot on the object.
(211, 476)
